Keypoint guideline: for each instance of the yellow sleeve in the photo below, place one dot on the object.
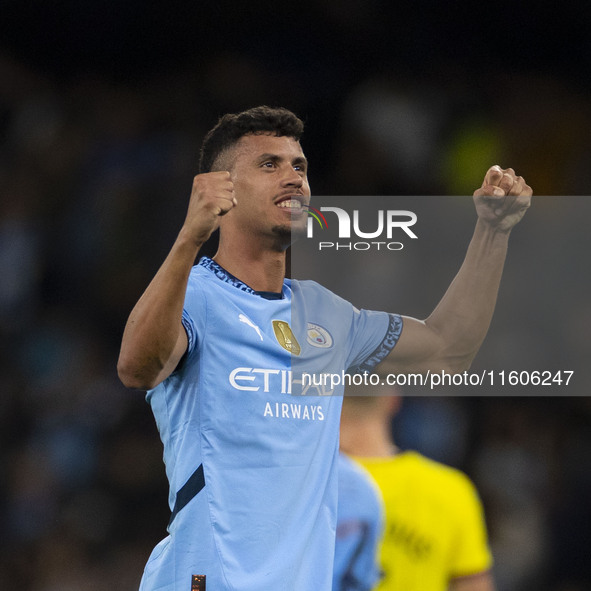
(472, 553)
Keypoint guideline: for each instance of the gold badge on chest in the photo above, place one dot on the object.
(285, 337)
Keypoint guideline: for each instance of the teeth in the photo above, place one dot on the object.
(290, 204)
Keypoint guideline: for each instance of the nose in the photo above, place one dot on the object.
(292, 178)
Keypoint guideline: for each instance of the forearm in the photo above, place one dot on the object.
(462, 318)
(152, 341)
(479, 582)
(451, 336)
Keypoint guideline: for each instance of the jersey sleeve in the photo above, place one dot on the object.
(472, 555)
(373, 336)
(367, 335)
(194, 312)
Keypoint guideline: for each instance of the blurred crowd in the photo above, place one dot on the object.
(95, 172)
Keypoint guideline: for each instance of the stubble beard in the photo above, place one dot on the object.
(283, 236)
(286, 235)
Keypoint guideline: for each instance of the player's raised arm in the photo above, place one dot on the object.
(154, 339)
(451, 336)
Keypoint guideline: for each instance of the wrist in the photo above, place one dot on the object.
(496, 230)
(188, 237)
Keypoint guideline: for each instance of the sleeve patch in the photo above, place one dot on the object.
(388, 343)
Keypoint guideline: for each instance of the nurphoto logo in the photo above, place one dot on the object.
(375, 233)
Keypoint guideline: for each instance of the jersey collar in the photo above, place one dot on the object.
(226, 277)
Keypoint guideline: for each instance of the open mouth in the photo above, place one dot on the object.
(293, 203)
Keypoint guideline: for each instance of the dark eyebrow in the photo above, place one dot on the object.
(298, 160)
(268, 156)
(302, 160)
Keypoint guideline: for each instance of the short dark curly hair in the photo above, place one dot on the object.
(231, 127)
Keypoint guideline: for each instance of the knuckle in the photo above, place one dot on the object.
(494, 177)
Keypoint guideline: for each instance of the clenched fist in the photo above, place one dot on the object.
(503, 198)
(212, 196)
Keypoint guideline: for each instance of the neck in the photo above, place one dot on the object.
(366, 438)
(261, 269)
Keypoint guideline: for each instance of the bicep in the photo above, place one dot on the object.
(419, 349)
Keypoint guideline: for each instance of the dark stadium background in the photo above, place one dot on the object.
(102, 109)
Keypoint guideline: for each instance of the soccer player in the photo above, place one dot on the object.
(360, 520)
(252, 467)
(434, 534)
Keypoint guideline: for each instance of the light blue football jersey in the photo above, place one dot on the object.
(360, 523)
(251, 462)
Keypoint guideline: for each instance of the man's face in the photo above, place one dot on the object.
(271, 186)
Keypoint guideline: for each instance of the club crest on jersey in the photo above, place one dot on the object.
(285, 337)
(318, 336)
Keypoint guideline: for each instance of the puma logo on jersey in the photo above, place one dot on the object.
(250, 323)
